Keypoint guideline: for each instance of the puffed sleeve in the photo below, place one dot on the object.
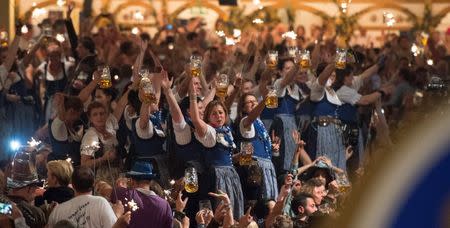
(146, 133)
(209, 140)
(90, 139)
(247, 133)
(317, 91)
(59, 130)
(182, 132)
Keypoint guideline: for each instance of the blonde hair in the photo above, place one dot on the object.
(62, 170)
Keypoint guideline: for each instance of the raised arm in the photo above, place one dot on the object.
(326, 73)
(144, 113)
(138, 63)
(290, 76)
(175, 111)
(73, 38)
(29, 56)
(234, 94)
(86, 92)
(200, 126)
(120, 107)
(253, 115)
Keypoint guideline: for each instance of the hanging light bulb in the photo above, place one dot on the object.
(138, 16)
(135, 30)
(236, 33)
(220, 33)
(60, 3)
(258, 21)
(60, 38)
(24, 29)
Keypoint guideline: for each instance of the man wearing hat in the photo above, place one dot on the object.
(147, 208)
(22, 184)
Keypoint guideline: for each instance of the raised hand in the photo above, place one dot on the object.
(276, 142)
(165, 82)
(221, 196)
(180, 204)
(70, 7)
(246, 219)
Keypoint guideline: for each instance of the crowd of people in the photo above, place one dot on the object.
(183, 129)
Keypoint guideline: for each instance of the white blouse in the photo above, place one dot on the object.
(92, 138)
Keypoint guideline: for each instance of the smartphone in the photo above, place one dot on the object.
(5, 208)
(204, 205)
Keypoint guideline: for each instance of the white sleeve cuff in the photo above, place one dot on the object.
(317, 91)
(182, 132)
(146, 133)
(59, 130)
(246, 133)
(209, 140)
(112, 123)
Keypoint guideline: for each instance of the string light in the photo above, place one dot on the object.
(290, 34)
(220, 33)
(138, 16)
(389, 19)
(61, 3)
(38, 12)
(258, 21)
(24, 29)
(236, 33)
(135, 30)
(230, 41)
(430, 62)
(60, 38)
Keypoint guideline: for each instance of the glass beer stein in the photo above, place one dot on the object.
(196, 65)
(222, 85)
(190, 180)
(272, 59)
(341, 59)
(147, 87)
(305, 60)
(272, 98)
(105, 78)
(246, 153)
(292, 52)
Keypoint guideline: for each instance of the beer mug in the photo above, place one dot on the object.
(222, 83)
(4, 38)
(272, 98)
(147, 87)
(305, 60)
(196, 65)
(272, 59)
(342, 182)
(246, 153)
(190, 180)
(341, 59)
(424, 38)
(105, 78)
(292, 52)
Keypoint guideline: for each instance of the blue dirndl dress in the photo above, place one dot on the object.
(219, 159)
(326, 140)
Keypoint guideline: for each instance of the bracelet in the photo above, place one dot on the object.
(179, 215)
